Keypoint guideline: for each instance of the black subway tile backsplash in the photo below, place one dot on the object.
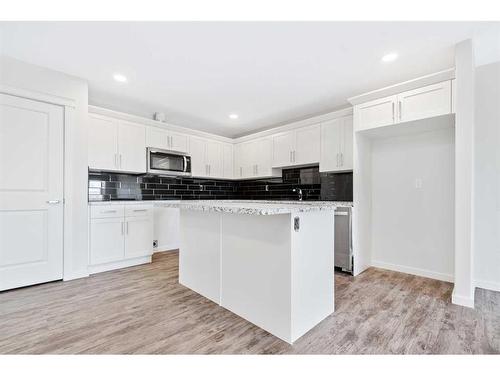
(105, 186)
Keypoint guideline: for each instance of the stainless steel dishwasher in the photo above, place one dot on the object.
(343, 239)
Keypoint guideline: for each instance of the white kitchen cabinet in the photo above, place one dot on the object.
(424, 102)
(297, 147)
(132, 147)
(116, 145)
(336, 145)
(253, 159)
(138, 236)
(375, 113)
(103, 143)
(307, 149)
(206, 157)
(120, 236)
(227, 160)
(283, 148)
(167, 140)
(106, 240)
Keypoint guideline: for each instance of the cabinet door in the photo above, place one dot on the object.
(213, 157)
(138, 236)
(346, 144)
(227, 159)
(283, 146)
(156, 138)
(307, 150)
(331, 135)
(263, 151)
(103, 143)
(428, 101)
(132, 147)
(198, 165)
(178, 142)
(376, 113)
(106, 240)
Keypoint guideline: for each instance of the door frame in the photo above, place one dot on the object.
(69, 122)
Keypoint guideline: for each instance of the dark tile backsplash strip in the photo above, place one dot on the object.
(315, 186)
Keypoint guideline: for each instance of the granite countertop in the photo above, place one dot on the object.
(254, 207)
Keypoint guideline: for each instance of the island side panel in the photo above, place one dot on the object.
(312, 270)
(256, 270)
(199, 252)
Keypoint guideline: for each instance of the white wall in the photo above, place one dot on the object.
(20, 75)
(487, 177)
(166, 228)
(413, 227)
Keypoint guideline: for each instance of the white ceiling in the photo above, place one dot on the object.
(267, 73)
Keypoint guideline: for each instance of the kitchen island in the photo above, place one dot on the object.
(268, 262)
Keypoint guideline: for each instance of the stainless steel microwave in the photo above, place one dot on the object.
(168, 163)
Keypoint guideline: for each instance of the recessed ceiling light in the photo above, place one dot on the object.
(119, 77)
(233, 116)
(390, 57)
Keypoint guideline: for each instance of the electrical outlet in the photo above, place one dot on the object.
(155, 244)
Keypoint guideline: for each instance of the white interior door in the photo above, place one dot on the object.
(31, 192)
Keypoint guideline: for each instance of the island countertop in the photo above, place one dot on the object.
(247, 207)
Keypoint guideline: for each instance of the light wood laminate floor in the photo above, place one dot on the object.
(143, 309)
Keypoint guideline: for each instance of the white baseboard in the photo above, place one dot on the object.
(76, 275)
(490, 285)
(462, 300)
(413, 271)
(165, 248)
(120, 264)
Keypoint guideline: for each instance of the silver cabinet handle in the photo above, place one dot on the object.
(141, 210)
(209, 169)
(337, 159)
(56, 201)
(290, 156)
(393, 118)
(126, 228)
(108, 211)
(116, 160)
(241, 171)
(256, 169)
(400, 110)
(294, 156)
(120, 160)
(122, 223)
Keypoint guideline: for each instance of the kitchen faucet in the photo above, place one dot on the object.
(298, 191)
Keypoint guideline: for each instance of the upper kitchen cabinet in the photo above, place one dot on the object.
(206, 157)
(116, 145)
(167, 140)
(337, 145)
(380, 112)
(424, 102)
(297, 147)
(103, 143)
(227, 160)
(253, 159)
(420, 103)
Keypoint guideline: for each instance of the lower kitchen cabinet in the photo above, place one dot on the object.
(120, 236)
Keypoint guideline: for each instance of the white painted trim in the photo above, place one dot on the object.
(296, 124)
(150, 122)
(165, 248)
(75, 275)
(38, 96)
(120, 264)
(413, 271)
(444, 75)
(489, 285)
(462, 300)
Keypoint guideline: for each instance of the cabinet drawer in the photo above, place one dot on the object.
(112, 210)
(134, 210)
